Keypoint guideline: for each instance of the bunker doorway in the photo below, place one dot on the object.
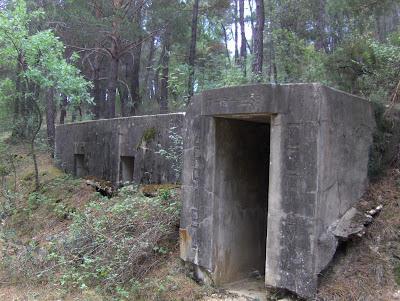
(242, 174)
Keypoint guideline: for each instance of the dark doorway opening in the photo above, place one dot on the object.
(241, 185)
(80, 168)
(127, 168)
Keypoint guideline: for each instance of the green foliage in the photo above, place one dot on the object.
(296, 60)
(396, 272)
(7, 92)
(113, 243)
(35, 199)
(386, 139)
(366, 67)
(35, 63)
(149, 134)
(9, 162)
(40, 199)
(173, 152)
(165, 194)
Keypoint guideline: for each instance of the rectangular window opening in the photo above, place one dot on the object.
(80, 169)
(127, 168)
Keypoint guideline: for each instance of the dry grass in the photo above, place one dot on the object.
(364, 269)
(169, 282)
(165, 279)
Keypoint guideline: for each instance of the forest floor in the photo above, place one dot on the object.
(363, 269)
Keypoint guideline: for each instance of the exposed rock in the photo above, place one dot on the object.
(352, 223)
(105, 188)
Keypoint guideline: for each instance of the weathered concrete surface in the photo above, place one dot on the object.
(120, 149)
(318, 139)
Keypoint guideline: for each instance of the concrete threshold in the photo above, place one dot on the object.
(251, 289)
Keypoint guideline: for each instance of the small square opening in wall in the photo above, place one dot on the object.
(80, 169)
(127, 167)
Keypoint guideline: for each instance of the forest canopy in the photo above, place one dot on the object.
(91, 59)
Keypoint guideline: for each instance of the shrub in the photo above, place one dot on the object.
(117, 241)
(384, 151)
(174, 152)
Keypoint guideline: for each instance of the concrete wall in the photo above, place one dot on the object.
(320, 138)
(101, 144)
(343, 147)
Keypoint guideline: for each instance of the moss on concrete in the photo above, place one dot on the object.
(149, 134)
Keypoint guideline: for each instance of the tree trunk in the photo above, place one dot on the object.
(149, 68)
(124, 100)
(273, 71)
(157, 80)
(51, 112)
(387, 20)
(35, 165)
(63, 111)
(112, 82)
(226, 42)
(37, 114)
(124, 89)
(243, 45)
(320, 42)
(103, 105)
(20, 106)
(17, 101)
(236, 33)
(96, 87)
(135, 83)
(157, 74)
(192, 49)
(137, 53)
(73, 115)
(253, 27)
(259, 40)
(165, 73)
(96, 70)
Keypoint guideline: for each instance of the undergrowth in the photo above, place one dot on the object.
(369, 268)
(111, 245)
(396, 272)
(114, 243)
(68, 237)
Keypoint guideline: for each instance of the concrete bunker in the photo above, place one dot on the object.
(245, 211)
(269, 170)
(118, 150)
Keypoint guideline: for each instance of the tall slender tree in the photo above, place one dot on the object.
(51, 112)
(192, 49)
(243, 40)
(259, 40)
(165, 57)
(320, 26)
(235, 16)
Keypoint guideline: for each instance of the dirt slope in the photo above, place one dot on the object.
(363, 269)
